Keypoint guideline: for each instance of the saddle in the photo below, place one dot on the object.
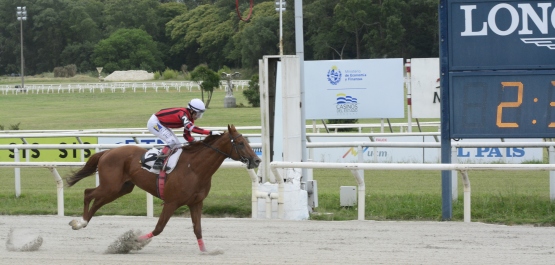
(147, 162)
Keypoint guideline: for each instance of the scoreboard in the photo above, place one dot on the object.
(498, 68)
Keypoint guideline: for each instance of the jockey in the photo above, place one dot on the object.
(161, 123)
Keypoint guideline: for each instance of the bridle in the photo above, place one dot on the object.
(233, 147)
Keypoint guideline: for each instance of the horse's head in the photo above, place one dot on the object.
(240, 148)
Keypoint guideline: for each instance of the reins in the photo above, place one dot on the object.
(234, 146)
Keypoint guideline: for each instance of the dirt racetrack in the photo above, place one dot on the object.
(248, 241)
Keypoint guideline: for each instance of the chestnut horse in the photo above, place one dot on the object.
(188, 184)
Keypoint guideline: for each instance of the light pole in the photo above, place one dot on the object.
(280, 7)
(22, 15)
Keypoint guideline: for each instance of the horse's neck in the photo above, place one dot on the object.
(211, 159)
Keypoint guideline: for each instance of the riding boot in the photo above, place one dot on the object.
(161, 157)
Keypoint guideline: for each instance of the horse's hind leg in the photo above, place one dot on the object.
(88, 197)
(106, 198)
(100, 197)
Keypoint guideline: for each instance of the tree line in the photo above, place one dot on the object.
(154, 35)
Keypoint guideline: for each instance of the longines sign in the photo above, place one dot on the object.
(501, 35)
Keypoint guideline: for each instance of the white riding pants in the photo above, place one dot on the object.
(162, 132)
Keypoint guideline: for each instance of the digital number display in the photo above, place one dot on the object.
(502, 104)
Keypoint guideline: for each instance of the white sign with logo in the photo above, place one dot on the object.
(425, 89)
(478, 155)
(130, 140)
(376, 154)
(511, 155)
(354, 89)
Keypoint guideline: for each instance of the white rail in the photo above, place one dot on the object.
(111, 87)
(138, 134)
(317, 129)
(255, 194)
(354, 167)
(60, 183)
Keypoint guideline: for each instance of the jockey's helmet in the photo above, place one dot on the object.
(197, 106)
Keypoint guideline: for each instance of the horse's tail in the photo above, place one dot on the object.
(87, 170)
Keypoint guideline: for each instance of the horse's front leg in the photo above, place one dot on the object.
(167, 212)
(196, 212)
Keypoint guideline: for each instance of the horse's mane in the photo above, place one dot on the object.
(197, 145)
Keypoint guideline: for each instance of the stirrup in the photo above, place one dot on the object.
(158, 165)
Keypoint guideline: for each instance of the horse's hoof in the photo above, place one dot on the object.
(127, 242)
(73, 224)
(142, 241)
(78, 224)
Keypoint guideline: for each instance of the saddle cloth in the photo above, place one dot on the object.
(147, 160)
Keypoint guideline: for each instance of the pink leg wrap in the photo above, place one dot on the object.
(147, 236)
(201, 245)
(165, 150)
